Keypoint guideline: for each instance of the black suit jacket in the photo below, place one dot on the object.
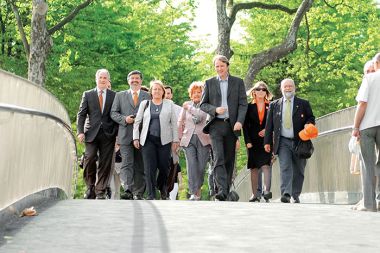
(89, 107)
(236, 99)
(302, 114)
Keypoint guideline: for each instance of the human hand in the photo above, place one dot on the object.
(136, 143)
(220, 110)
(130, 119)
(249, 145)
(262, 133)
(81, 137)
(267, 148)
(237, 126)
(186, 105)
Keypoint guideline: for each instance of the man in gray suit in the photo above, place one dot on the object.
(224, 99)
(98, 133)
(124, 110)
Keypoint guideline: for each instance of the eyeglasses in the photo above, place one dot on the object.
(260, 89)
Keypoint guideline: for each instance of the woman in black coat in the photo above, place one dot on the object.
(254, 130)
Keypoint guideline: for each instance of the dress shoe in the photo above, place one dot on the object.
(101, 196)
(164, 195)
(127, 195)
(220, 197)
(137, 197)
(90, 193)
(285, 198)
(267, 196)
(296, 200)
(108, 192)
(254, 199)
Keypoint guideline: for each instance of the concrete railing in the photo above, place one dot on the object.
(327, 174)
(38, 152)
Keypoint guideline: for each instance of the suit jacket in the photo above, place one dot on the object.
(89, 107)
(302, 114)
(236, 99)
(122, 107)
(187, 127)
(168, 122)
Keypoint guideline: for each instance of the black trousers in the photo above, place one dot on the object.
(155, 156)
(223, 142)
(94, 175)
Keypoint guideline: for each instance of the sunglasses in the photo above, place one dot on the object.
(260, 89)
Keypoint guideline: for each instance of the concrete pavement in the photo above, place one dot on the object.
(202, 226)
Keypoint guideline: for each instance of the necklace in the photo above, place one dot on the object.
(156, 107)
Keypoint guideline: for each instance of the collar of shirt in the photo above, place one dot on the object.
(221, 80)
(104, 91)
(138, 92)
(284, 100)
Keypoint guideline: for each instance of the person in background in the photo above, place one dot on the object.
(99, 135)
(123, 112)
(225, 100)
(254, 131)
(367, 128)
(196, 144)
(287, 116)
(157, 137)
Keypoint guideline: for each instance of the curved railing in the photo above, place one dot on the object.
(38, 152)
(327, 174)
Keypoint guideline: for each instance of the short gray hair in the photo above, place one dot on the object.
(376, 58)
(286, 80)
(100, 71)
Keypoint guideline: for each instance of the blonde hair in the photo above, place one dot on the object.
(160, 84)
(259, 84)
(194, 86)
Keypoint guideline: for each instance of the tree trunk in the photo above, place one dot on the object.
(40, 43)
(224, 29)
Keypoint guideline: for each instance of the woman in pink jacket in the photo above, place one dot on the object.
(195, 143)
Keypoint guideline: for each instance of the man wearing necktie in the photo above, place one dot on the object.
(123, 112)
(287, 116)
(98, 133)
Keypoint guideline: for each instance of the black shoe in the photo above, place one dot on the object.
(220, 196)
(137, 197)
(126, 195)
(101, 196)
(90, 193)
(108, 192)
(296, 200)
(267, 196)
(285, 198)
(254, 199)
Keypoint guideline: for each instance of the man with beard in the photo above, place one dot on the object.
(124, 110)
(287, 116)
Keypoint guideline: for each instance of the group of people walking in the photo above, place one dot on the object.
(151, 129)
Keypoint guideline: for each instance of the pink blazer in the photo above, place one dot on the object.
(187, 126)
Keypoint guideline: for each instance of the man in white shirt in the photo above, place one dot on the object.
(367, 128)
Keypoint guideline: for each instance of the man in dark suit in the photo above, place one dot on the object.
(123, 112)
(287, 116)
(224, 99)
(98, 133)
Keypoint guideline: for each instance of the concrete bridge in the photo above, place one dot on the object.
(38, 167)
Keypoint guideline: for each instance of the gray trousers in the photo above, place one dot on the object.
(223, 143)
(197, 156)
(292, 168)
(370, 145)
(132, 169)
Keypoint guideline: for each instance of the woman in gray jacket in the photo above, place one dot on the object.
(158, 137)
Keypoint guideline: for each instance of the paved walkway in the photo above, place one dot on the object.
(183, 226)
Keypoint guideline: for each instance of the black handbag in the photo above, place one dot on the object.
(304, 149)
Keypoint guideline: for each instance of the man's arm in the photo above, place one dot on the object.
(205, 101)
(116, 111)
(359, 114)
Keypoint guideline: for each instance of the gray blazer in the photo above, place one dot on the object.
(236, 99)
(168, 122)
(121, 108)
